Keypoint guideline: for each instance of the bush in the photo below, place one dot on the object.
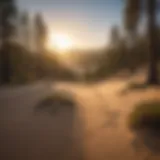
(135, 86)
(146, 116)
(55, 102)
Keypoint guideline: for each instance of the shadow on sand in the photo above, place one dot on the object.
(54, 131)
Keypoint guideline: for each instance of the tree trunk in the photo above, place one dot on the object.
(153, 55)
(131, 58)
(5, 65)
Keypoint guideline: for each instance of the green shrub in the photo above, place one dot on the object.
(146, 116)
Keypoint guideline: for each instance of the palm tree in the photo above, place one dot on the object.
(133, 12)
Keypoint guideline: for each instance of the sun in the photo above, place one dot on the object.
(59, 42)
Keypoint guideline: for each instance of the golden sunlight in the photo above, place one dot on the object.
(59, 42)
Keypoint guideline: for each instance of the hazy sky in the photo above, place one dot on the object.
(87, 21)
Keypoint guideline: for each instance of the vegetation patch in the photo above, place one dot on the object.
(137, 86)
(145, 122)
(132, 86)
(55, 102)
(146, 116)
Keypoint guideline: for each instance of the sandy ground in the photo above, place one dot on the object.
(95, 129)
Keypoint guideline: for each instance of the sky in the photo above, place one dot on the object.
(87, 22)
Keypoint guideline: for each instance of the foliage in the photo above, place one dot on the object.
(133, 12)
(115, 35)
(40, 32)
(19, 62)
(146, 116)
(55, 102)
(25, 29)
(134, 86)
(8, 12)
(24, 63)
(27, 67)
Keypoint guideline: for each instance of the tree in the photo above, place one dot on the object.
(24, 20)
(8, 12)
(115, 36)
(40, 33)
(118, 51)
(132, 16)
(40, 38)
(131, 20)
(133, 12)
(152, 32)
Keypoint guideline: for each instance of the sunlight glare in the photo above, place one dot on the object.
(59, 42)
